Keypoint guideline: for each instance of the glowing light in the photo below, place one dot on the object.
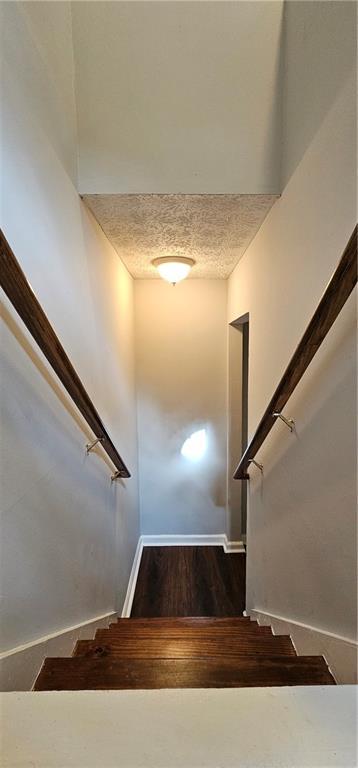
(173, 272)
(173, 268)
(195, 446)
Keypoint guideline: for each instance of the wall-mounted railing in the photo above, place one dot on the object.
(21, 295)
(335, 296)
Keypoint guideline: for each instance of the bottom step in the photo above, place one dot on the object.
(80, 673)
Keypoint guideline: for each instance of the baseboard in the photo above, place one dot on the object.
(172, 540)
(194, 540)
(128, 601)
(234, 546)
(21, 665)
(339, 651)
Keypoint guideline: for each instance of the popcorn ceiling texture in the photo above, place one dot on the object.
(215, 230)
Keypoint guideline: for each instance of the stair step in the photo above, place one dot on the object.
(186, 621)
(195, 627)
(207, 620)
(81, 673)
(106, 644)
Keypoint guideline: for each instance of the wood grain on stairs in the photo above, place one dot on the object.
(81, 673)
(193, 627)
(170, 648)
(184, 653)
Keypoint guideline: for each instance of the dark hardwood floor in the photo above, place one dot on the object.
(189, 581)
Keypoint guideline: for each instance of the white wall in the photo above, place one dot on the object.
(178, 97)
(181, 359)
(302, 559)
(68, 535)
(319, 44)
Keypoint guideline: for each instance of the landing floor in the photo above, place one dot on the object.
(190, 581)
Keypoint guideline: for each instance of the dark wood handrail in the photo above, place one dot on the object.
(335, 296)
(21, 295)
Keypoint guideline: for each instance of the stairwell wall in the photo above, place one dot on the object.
(181, 366)
(302, 556)
(68, 535)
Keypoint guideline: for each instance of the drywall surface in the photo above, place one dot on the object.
(302, 559)
(186, 97)
(341, 654)
(319, 51)
(20, 666)
(68, 535)
(298, 727)
(181, 359)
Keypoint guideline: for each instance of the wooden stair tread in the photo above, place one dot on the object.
(106, 644)
(81, 673)
(187, 628)
(176, 629)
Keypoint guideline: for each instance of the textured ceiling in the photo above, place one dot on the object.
(215, 230)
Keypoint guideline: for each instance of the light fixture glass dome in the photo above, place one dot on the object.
(173, 268)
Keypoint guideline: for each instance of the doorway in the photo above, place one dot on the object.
(238, 424)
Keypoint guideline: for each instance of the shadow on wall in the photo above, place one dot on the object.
(319, 55)
(182, 474)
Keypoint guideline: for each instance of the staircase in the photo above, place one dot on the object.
(183, 653)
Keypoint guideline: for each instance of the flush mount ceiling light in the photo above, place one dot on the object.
(173, 268)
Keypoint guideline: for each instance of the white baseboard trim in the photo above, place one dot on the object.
(46, 638)
(132, 582)
(233, 546)
(21, 665)
(339, 651)
(172, 540)
(194, 540)
(310, 627)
